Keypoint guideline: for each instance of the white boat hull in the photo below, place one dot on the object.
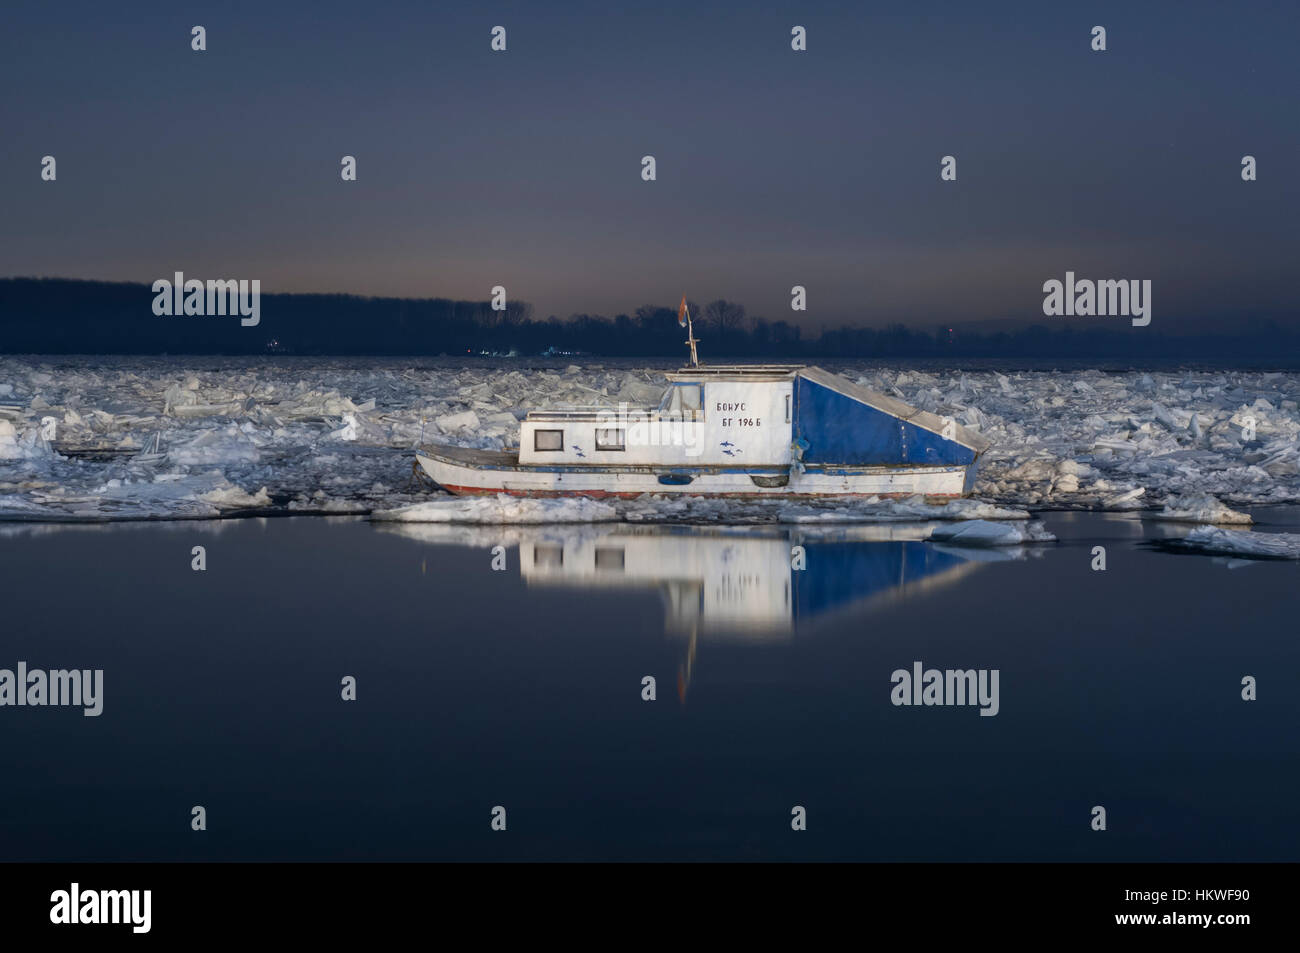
(465, 471)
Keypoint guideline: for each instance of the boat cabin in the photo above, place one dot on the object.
(707, 416)
(760, 415)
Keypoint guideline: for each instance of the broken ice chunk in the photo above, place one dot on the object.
(1235, 542)
(1199, 508)
(988, 533)
(466, 419)
(1128, 500)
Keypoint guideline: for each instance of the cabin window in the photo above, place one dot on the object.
(610, 558)
(610, 438)
(686, 400)
(548, 439)
(692, 398)
(787, 408)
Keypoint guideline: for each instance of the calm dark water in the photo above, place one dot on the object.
(522, 688)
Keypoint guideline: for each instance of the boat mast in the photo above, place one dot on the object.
(690, 336)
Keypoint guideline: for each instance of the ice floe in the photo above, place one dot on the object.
(1242, 543)
(163, 496)
(1199, 508)
(658, 509)
(504, 509)
(652, 508)
(988, 533)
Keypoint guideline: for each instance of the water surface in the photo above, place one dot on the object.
(523, 688)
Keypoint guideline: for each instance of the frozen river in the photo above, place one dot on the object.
(102, 438)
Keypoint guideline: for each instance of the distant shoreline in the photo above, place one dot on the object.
(526, 362)
(60, 316)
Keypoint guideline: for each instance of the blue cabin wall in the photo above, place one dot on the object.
(839, 429)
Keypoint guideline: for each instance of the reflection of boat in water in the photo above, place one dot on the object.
(743, 583)
(729, 582)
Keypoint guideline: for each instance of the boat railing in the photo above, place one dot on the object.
(579, 412)
(756, 372)
(613, 412)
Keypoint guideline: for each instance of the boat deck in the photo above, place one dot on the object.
(473, 456)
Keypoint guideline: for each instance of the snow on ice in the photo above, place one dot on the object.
(131, 438)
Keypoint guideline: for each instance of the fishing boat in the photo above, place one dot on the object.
(735, 430)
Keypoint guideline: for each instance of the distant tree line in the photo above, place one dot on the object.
(63, 316)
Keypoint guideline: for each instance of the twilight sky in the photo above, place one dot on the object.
(775, 168)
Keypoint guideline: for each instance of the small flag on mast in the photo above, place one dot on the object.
(681, 312)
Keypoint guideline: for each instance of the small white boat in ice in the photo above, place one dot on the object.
(729, 430)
